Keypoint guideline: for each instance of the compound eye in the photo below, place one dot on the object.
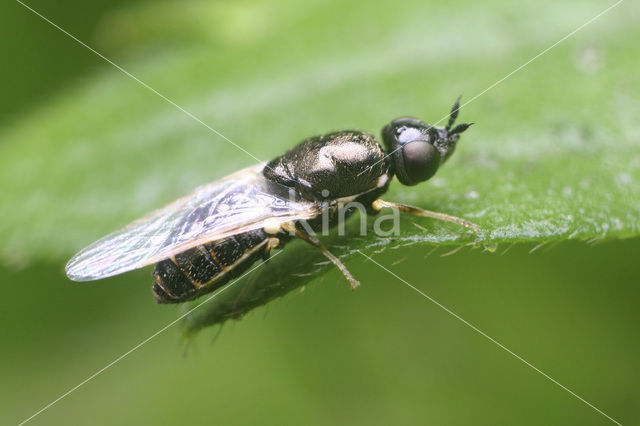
(421, 161)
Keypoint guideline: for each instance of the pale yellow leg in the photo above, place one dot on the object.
(315, 242)
(380, 204)
(272, 243)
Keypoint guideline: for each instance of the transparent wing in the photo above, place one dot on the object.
(237, 203)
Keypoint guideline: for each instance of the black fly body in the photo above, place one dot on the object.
(202, 241)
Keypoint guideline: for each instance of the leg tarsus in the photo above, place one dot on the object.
(316, 243)
(379, 204)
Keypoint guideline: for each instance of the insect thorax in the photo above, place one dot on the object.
(332, 166)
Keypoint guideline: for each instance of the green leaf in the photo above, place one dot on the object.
(554, 155)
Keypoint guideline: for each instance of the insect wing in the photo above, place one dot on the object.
(237, 203)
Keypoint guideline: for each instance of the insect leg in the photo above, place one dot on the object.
(272, 243)
(315, 242)
(380, 204)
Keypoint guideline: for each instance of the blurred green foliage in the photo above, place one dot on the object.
(554, 157)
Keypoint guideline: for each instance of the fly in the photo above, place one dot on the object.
(202, 241)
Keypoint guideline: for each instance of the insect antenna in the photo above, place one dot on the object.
(454, 114)
(460, 128)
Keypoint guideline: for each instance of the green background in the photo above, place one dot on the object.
(550, 172)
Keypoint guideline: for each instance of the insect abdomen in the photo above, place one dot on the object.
(205, 268)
